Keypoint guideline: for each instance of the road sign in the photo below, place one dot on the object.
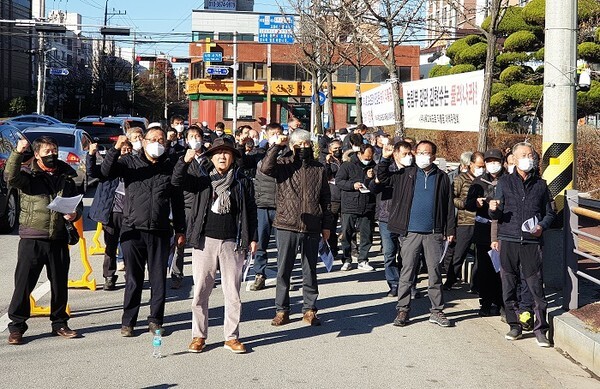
(217, 70)
(59, 71)
(322, 97)
(212, 57)
(275, 29)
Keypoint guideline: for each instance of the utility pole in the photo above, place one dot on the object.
(103, 54)
(133, 77)
(560, 100)
(41, 74)
(269, 92)
(166, 86)
(235, 82)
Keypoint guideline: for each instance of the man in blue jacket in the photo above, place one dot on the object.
(524, 209)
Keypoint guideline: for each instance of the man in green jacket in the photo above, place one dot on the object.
(43, 234)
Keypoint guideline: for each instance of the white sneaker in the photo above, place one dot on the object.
(346, 266)
(121, 266)
(364, 265)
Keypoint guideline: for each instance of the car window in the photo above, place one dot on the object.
(63, 140)
(98, 129)
(7, 143)
(25, 119)
(85, 142)
(137, 123)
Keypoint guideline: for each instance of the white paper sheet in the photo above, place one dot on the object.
(495, 256)
(530, 225)
(65, 204)
(446, 243)
(326, 255)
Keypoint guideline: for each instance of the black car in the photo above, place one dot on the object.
(104, 131)
(9, 197)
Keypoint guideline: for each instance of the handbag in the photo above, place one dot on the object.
(72, 234)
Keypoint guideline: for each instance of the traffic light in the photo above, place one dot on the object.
(140, 58)
(181, 60)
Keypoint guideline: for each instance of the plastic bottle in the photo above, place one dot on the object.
(157, 344)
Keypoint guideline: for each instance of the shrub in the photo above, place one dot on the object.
(526, 94)
(589, 51)
(589, 102)
(474, 55)
(587, 9)
(500, 104)
(456, 48)
(462, 68)
(506, 59)
(539, 55)
(512, 21)
(498, 87)
(535, 12)
(521, 41)
(512, 74)
(598, 35)
(439, 70)
(17, 106)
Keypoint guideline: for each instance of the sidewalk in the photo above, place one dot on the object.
(357, 346)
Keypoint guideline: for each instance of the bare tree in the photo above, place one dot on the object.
(495, 11)
(398, 21)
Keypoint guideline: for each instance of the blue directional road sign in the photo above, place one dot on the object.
(212, 57)
(275, 29)
(321, 96)
(217, 70)
(59, 71)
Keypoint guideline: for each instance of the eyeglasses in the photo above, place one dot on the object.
(159, 140)
(425, 153)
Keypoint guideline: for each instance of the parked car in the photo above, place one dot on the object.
(34, 120)
(73, 144)
(135, 121)
(9, 197)
(104, 131)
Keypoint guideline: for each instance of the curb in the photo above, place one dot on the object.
(572, 337)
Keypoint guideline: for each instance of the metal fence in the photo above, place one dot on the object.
(581, 245)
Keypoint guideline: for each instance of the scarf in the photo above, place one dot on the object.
(220, 185)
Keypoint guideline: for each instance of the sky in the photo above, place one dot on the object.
(150, 19)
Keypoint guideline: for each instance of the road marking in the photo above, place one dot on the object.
(37, 294)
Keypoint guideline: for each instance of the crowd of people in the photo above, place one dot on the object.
(224, 196)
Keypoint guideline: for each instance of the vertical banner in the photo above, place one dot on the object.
(451, 103)
(378, 106)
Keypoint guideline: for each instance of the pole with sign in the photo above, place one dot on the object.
(235, 82)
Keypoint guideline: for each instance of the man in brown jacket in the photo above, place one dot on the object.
(302, 219)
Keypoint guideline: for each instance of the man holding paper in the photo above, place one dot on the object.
(524, 209)
(43, 233)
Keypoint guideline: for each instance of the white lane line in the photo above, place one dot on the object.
(37, 294)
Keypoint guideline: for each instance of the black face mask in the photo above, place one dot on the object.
(50, 161)
(305, 153)
(337, 154)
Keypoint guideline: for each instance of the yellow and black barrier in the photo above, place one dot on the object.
(84, 282)
(558, 161)
(97, 248)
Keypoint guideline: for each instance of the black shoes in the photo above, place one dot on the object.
(126, 331)
(153, 327)
(15, 338)
(110, 282)
(65, 332)
(393, 291)
(401, 319)
(259, 283)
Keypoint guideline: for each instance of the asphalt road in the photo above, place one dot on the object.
(357, 346)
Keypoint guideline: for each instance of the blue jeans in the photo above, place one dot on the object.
(389, 243)
(266, 216)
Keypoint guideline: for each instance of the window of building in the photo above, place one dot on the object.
(202, 35)
(346, 73)
(261, 70)
(246, 71)
(404, 73)
(245, 110)
(351, 113)
(197, 70)
(283, 72)
(379, 74)
(245, 37)
(195, 114)
(225, 36)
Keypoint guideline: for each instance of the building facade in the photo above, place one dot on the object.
(211, 97)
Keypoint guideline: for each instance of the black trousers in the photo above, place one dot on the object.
(525, 259)
(488, 281)
(33, 255)
(463, 238)
(364, 224)
(333, 236)
(141, 248)
(112, 233)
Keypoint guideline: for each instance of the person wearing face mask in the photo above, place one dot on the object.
(178, 126)
(423, 217)
(389, 241)
(524, 208)
(324, 142)
(107, 209)
(332, 164)
(357, 205)
(43, 235)
(482, 190)
(219, 129)
(135, 136)
(303, 218)
(359, 133)
(465, 160)
(175, 147)
(465, 221)
(150, 198)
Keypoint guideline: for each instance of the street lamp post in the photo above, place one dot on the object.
(41, 79)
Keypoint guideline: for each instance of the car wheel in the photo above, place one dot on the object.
(10, 217)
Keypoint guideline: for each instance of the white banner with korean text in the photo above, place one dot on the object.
(451, 103)
(378, 106)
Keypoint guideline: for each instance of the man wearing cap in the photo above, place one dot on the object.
(146, 231)
(221, 229)
(481, 191)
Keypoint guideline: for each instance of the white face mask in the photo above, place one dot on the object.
(406, 160)
(364, 162)
(137, 145)
(342, 137)
(355, 148)
(493, 167)
(155, 149)
(178, 128)
(219, 133)
(525, 164)
(511, 169)
(256, 141)
(478, 171)
(194, 144)
(423, 161)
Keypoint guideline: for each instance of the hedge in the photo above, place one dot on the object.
(439, 70)
(512, 21)
(525, 94)
(589, 102)
(589, 51)
(506, 59)
(462, 44)
(535, 11)
(539, 55)
(500, 103)
(474, 55)
(512, 74)
(462, 68)
(521, 41)
(498, 87)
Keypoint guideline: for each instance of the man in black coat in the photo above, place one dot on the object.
(145, 238)
(358, 205)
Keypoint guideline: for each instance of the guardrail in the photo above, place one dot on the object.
(579, 245)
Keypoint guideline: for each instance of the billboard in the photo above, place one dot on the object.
(451, 103)
(223, 5)
(378, 106)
